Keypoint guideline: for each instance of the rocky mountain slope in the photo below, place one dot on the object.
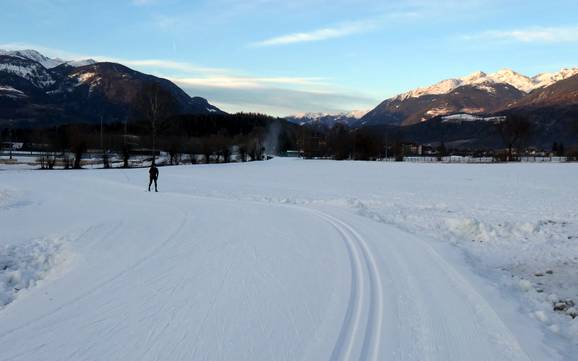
(478, 93)
(39, 91)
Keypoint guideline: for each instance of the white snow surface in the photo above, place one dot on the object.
(290, 260)
(488, 82)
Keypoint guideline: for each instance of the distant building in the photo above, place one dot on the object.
(412, 149)
(292, 154)
(12, 145)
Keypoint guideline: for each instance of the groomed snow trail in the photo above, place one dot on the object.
(430, 312)
(192, 275)
(365, 273)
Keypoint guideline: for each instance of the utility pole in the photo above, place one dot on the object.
(386, 149)
(154, 137)
(102, 144)
(10, 136)
(125, 130)
(101, 139)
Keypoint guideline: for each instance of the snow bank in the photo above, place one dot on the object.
(536, 260)
(22, 266)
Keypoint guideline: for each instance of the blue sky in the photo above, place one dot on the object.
(287, 56)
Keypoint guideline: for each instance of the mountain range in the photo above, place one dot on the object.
(476, 94)
(327, 120)
(551, 109)
(39, 91)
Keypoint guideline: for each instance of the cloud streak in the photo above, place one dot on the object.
(143, 2)
(233, 91)
(165, 64)
(281, 101)
(319, 34)
(531, 35)
(155, 64)
(248, 82)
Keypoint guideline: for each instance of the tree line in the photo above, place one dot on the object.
(156, 126)
(514, 132)
(244, 136)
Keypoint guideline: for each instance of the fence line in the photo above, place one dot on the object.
(483, 160)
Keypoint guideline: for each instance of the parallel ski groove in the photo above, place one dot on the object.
(364, 269)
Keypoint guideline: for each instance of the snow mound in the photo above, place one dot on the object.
(535, 259)
(22, 266)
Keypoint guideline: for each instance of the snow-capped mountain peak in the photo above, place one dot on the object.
(327, 119)
(517, 80)
(474, 77)
(357, 114)
(484, 81)
(79, 63)
(45, 61)
(550, 78)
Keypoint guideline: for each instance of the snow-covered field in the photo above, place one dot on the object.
(290, 260)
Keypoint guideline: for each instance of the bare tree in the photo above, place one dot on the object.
(442, 151)
(78, 144)
(514, 130)
(155, 104)
(67, 161)
(207, 149)
(243, 152)
(125, 155)
(194, 147)
(339, 142)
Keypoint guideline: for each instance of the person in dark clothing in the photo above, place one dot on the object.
(153, 176)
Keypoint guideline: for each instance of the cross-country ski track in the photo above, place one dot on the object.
(179, 275)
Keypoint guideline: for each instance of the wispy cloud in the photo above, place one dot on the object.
(530, 35)
(143, 2)
(341, 30)
(165, 64)
(249, 82)
(147, 64)
(233, 90)
(320, 34)
(282, 101)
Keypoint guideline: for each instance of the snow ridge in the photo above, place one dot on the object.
(35, 73)
(357, 114)
(45, 61)
(486, 82)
